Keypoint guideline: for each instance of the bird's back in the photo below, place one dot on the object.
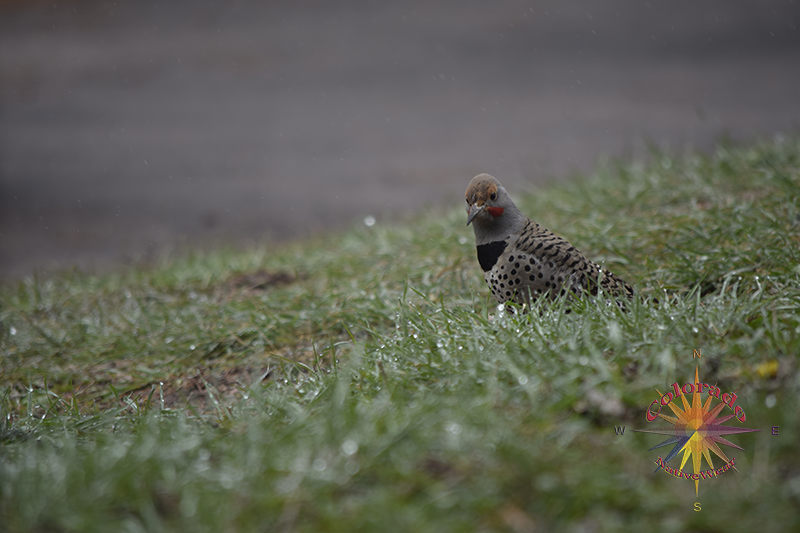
(536, 261)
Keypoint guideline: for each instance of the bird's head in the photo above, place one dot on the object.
(491, 211)
(486, 199)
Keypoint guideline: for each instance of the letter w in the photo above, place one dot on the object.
(707, 474)
(619, 430)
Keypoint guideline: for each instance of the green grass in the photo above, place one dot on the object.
(368, 384)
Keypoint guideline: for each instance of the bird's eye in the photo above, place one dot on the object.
(493, 196)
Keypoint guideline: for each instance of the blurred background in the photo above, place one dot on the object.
(132, 127)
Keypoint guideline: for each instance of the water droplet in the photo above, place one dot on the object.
(583, 360)
(351, 467)
(523, 380)
(369, 221)
(349, 447)
(192, 347)
(462, 240)
(12, 330)
(439, 344)
(320, 464)
(695, 329)
(453, 427)
(770, 401)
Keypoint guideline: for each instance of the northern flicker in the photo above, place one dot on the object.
(522, 260)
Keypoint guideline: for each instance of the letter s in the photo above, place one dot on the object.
(697, 506)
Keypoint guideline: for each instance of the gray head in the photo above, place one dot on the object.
(491, 211)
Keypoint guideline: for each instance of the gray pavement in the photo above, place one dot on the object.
(128, 128)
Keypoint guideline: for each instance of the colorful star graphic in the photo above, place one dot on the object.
(696, 431)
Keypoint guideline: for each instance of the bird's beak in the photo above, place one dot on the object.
(473, 211)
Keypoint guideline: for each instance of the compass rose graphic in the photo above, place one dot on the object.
(697, 430)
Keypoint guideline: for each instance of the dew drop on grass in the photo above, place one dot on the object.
(349, 447)
(439, 343)
(351, 467)
(695, 329)
(12, 330)
(320, 464)
(192, 347)
(583, 360)
(523, 380)
(462, 240)
(770, 401)
(369, 221)
(453, 427)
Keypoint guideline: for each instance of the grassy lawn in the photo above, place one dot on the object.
(365, 382)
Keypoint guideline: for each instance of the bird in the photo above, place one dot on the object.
(523, 261)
